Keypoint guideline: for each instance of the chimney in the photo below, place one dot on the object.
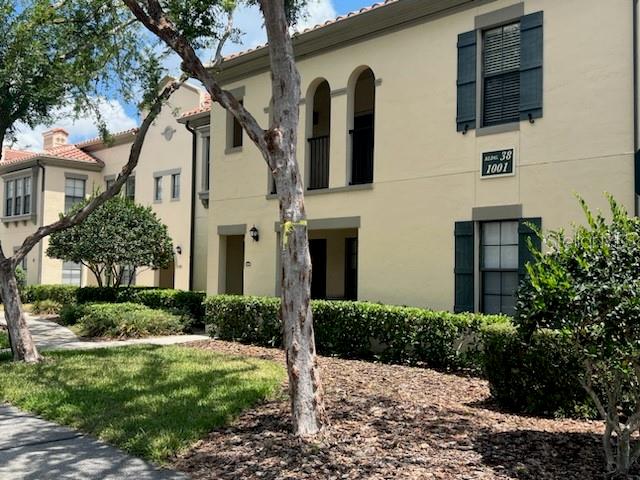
(54, 138)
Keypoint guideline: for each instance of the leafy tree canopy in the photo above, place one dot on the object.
(68, 53)
(117, 234)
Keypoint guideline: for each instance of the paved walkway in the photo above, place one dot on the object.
(49, 335)
(35, 449)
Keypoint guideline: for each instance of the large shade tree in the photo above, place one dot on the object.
(66, 54)
(119, 236)
(189, 27)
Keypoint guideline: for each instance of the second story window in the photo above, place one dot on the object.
(206, 162)
(74, 192)
(175, 186)
(234, 131)
(130, 188)
(363, 133)
(501, 75)
(500, 72)
(17, 194)
(157, 189)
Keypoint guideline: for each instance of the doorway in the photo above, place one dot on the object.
(167, 276)
(318, 252)
(234, 265)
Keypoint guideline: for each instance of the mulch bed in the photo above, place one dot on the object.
(395, 422)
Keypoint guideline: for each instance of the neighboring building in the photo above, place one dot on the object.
(38, 186)
(430, 132)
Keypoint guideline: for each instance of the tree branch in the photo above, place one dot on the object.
(157, 22)
(219, 58)
(134, 155)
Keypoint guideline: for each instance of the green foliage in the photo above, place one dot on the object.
(589, 285)
(153, 402)
(46, 307)
(119, 233)
(358, 330)
(127, 320)
(71, 313)
(46, 63)
(63, 294)
(179, 302)
(21, 279)
(4, 339)
(538, 376)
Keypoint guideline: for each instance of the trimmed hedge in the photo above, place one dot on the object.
(359, 330)
(179, 302)
(537, 376)
(63, 294)
(126, 320)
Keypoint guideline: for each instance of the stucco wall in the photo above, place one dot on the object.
(427, 175)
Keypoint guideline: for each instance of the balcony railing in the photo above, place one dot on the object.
(362, 155)
(318, 162)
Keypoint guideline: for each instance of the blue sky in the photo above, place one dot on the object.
(120, 116)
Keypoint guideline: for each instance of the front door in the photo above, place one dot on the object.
(318, 252)
(351, 269)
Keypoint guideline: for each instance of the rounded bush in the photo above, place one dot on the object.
(127, 320)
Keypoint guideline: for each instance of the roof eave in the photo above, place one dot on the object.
(51, 161)
(348, 30)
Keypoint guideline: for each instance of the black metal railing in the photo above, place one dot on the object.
(362, 155)
(318, 162)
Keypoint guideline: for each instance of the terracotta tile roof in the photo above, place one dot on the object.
(205, 106)
(63, 152)
(10, 155)
(99, 140)
(318, 26)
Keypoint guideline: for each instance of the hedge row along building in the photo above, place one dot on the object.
(434, 134)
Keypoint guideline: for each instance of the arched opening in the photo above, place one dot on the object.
(318, 141)
(362, 131)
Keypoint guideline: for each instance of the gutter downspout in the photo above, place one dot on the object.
(192, 219)
(635, 111)
(41, 221)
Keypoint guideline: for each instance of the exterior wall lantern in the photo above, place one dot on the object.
(179, 250)
(255, 234)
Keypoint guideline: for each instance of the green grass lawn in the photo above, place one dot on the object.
(150, 401)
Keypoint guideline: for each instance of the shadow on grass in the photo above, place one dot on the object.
(151, 401)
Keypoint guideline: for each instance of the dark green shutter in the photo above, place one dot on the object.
(464, 267)
(467, 58)
(531, 47)
(525, 233)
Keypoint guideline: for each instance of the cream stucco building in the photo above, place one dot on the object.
(432, 133)
(37, 186)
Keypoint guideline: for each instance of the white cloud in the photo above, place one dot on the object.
(81, 128)
(249, 21)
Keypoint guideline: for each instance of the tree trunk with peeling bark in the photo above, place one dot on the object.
(22, 344)
(307, 399)
(277, 145)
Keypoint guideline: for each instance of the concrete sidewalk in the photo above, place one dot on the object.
(34, 449)
(48, 335)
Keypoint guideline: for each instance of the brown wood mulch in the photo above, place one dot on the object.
(395, 422)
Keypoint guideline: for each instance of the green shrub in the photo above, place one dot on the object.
(71, 313)
(358, 330)
(97, 294)
(46, 307)
(63, 294)
(179, 302)
(127, 320)
(537, 376)
(21, 279)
